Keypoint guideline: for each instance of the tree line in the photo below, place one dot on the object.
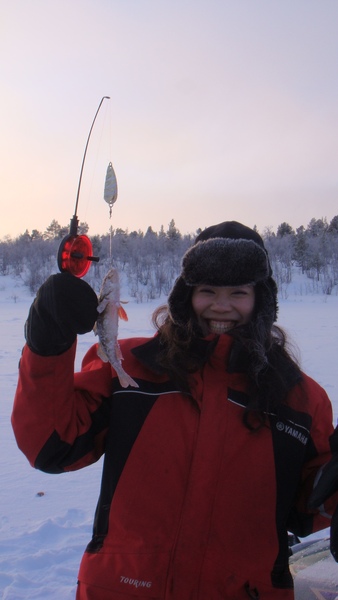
(313, 249)
(150, 261)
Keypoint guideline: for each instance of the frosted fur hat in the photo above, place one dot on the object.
(227, 254)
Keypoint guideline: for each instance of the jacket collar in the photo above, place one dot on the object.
(237, 362)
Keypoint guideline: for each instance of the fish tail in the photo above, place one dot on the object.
(124, 379)
(122, 313)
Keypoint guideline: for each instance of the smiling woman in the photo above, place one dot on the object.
(222, 438)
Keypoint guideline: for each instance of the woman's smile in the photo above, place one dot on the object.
(220, 326)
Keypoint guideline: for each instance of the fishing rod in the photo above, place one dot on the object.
(75, 251)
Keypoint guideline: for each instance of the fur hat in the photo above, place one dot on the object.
(227, 254)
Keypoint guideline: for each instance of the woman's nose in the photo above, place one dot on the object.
(221, 305)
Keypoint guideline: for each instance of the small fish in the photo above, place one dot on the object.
(110, 310)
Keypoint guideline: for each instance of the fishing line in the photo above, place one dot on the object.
(112, 199)
(110, 244)
(99, 143)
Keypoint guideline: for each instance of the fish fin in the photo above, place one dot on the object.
(101, 353)
(122, 313)
(102, 305)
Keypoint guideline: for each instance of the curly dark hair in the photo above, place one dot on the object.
(272, 369)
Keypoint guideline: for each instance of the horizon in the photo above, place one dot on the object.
(128, 231)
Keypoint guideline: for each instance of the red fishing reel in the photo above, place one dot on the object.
(75, 253)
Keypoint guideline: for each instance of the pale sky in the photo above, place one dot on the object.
(218, 110)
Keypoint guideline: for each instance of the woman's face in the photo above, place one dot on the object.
(219, 309)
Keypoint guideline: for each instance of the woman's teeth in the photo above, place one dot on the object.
(220, 326)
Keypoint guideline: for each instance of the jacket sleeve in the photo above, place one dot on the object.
(60, 418)
(305, 521)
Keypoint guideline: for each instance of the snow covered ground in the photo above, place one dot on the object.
(46, 520)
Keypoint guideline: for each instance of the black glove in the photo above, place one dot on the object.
(64, 306)
(326, 487)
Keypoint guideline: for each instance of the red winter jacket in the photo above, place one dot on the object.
(193, 505)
